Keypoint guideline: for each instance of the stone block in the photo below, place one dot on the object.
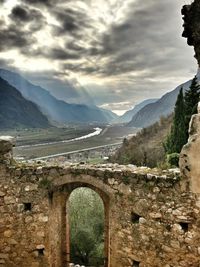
(12, 241)
(9, 200)
(20, 207)
(28, 219)
(2, 194)
(43, 218)
(4, 256)
(7, 233)
(31, 187)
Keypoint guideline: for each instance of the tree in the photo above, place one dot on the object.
(191, 102)
(185, 107)
(178, 135)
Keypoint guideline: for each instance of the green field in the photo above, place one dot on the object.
(109, 135)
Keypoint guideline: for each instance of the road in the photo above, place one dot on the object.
(76, 151)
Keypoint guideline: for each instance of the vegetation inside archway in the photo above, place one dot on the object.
(86, 222)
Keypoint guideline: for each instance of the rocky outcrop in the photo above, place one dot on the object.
(191, 25)
(6, 145)
(189, 158)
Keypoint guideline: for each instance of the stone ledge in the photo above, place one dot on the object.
(6, 144)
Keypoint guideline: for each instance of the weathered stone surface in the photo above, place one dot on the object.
(150, 219)
(12, 241)
(7, 233)
(2, 194)
(9, 200)
(189, 163)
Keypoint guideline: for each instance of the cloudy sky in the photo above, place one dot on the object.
(113, 53)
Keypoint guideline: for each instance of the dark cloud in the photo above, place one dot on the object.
(71, 21)
(61, 54)
(81, 68)
(75, 47)
(32, 17)
(47, 3)
(13, 37)
(20, 13)
(56, 53)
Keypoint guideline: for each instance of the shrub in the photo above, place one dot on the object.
(173, 159)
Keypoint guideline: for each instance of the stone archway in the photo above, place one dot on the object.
(59, 232)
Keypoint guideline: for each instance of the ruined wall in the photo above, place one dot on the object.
(151, 218)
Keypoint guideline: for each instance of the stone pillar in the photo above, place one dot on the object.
(190, 155)
(6, 149)
(57, 230)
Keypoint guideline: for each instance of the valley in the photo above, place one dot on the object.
(36, 143)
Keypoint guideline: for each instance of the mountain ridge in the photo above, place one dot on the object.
(152, 112)
(16, 111)
(127, 116)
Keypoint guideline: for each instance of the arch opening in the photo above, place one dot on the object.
(59, 231)
(86, 227)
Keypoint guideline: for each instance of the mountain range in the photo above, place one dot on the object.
(16, 111)
(56, 110)
(152, 112)
(51, 110)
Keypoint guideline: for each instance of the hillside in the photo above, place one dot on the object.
(16, 111)
(128, 115)
(162, 107)
(56, 110)
(145, 149)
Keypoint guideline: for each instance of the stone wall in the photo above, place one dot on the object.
(152, 219)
